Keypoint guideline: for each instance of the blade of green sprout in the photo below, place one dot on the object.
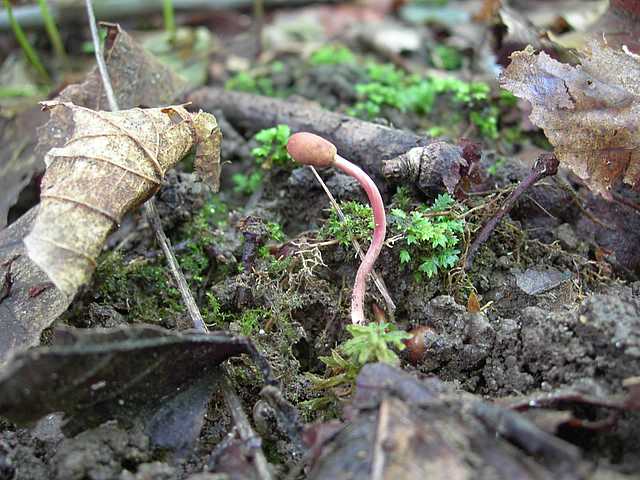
(52, 29)
(169, 18)
(28, 50)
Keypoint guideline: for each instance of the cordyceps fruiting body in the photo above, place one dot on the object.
(313, 150)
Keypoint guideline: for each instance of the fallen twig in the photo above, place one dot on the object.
(545, 166)
(150, 210)
(364, 143)
(244, 427)
(63, 11)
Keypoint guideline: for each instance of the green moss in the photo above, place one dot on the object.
(430, 236)
(357, 224)
(140, 288)
(446, 57)
(272, 147)
(332, 55)
(259, 81)
(246, 184)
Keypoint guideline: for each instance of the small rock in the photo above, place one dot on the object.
(536, 281)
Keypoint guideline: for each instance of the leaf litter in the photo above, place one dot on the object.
(590, 113)
(509, 359)
(136, 373)
(124, 156)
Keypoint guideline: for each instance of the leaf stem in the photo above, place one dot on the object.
(150, 210)
(52, 30)
(546, 165)
(21, 37)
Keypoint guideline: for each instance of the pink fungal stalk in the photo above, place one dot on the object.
(310, 149)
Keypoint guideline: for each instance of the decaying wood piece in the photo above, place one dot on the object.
(111, 163)
(364, 143)
(399, 427)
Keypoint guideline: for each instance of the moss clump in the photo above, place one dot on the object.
(356, 225)
(139, 288)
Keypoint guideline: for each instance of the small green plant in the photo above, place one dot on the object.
(250, 320)
(389, 87)
(486, 121)
(169, 18)
(275, 231)
(21, 37)
(52, 29)
(374, 342)
(430, 236)
(212, 312)
(140, 287)
(200, 235)
(257, 81)
(272, 149)
(332, 55)
(246, 184)
(247, 82)
(357, 224)
(446, 57)
(275, 234)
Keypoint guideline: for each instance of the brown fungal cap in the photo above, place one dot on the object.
(310, 149)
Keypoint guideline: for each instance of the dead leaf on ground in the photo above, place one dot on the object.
(620, 25)
(404, 428)
(137, 77)
(30, 302)
(110, 163)
(589, 113)
(33, 302)
(134, 373)
(19, 164)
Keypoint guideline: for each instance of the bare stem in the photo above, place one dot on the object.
(546, 165)
(149, 207)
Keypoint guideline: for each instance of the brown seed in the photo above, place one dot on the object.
(310, 149)
(473, 304)
(416, 345)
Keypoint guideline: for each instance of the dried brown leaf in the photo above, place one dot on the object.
(23, 313)
(138, 78)
(18, 162)
(400, 427)
(112, 163)
(590, 113)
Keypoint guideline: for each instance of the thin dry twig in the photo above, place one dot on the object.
(241, 422)
(546, 165)
(151, 213)
(102, 66)
(233, 402)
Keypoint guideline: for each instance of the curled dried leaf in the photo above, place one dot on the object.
(112, 163)
(590, 113)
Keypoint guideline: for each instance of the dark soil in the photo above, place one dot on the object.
(559, 313)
